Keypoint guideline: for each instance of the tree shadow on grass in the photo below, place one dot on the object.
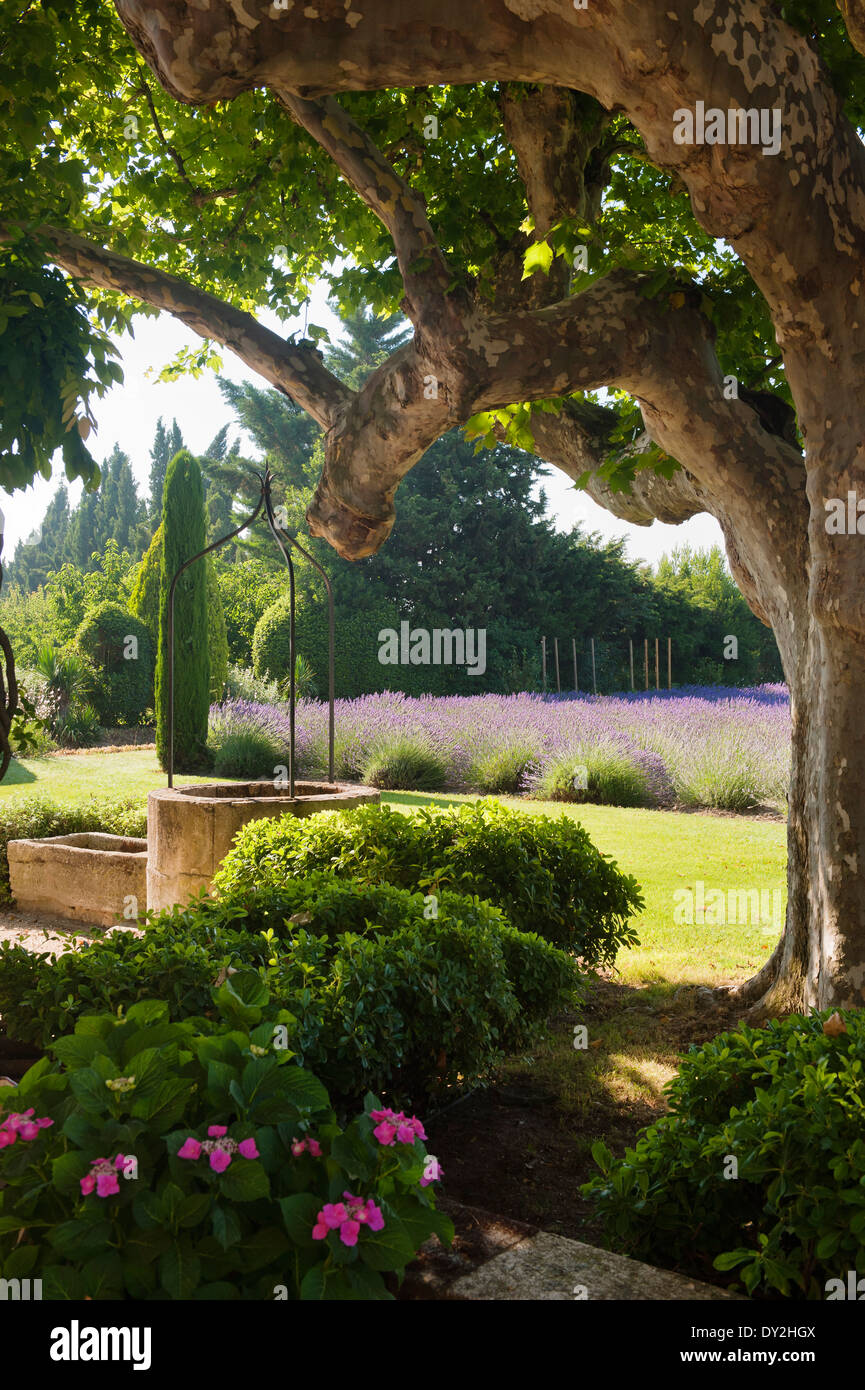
(17, 775)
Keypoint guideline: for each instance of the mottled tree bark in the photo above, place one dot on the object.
(797, 220)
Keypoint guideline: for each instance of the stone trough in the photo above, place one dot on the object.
(103, 879)
(88, 877)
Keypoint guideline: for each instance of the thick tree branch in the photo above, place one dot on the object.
(296, 369)
(424, 271)
(854, 18)
(649, 60)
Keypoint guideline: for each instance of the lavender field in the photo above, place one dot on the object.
(707, 746)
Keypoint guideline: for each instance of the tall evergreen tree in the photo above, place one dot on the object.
(44, 550)
(183, 523)
(166, 443)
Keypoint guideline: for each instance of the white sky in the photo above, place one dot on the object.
(127, 415)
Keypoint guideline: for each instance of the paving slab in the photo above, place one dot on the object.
(546, 1267)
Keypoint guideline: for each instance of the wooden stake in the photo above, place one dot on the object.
(558, 677)
(631, 645)
(669, 663)
(594, 680)
(574, 651)
(646, 658)
(544, 661)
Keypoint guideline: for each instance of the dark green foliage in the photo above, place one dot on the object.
(183, 528)
(52, 360)
(119, 647)
(786, 1101)
(545, 875)
(383, 994)
(356, 666)
(175, 1229)
(33, 817)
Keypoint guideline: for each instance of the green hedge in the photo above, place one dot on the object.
(760, 1166)
(33, 817)
(545, 874)
(382, 995)
(119, 647)
(356, 665)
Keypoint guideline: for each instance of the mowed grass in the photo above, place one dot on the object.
(75, 776)
(664, 850)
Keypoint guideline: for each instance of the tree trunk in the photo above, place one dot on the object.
(820, 960)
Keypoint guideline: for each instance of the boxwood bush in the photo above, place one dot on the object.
(197, 1160)
(786, 1103)
(545, 874)
(382, 995)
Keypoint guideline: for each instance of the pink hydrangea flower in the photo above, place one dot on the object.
(246, 1148)
(347, 1217)
(219, 1148)
(20, 1125)
(302, 1146)
(103, 1177)
(392, 1126)
(432, 1172)
(190, 1149)
(219, 1160)
(216, 1131)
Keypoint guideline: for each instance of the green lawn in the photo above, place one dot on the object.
(665, 851)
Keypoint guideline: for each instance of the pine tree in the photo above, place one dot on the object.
(183, 523)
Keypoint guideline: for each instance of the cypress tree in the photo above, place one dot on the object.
(183, 535)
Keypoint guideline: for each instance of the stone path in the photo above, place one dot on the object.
(496, 1259)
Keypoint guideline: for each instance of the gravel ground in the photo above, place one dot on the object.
(40, 932)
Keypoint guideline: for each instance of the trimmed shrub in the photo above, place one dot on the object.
(183, 529)
(404, 761)
(32, 817)
(380, 994)
(223, 1158)
(545, 875)
(595, 772)
(217, 639)
(118, 645)
(786, 1101)
(356, 664)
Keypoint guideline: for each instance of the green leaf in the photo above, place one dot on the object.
(299, 1214)
(67, 1171)
(538, 256)
(226, 1226)
(179, 1271)
(313, 1286)
(391, 1248)
(244, 1181)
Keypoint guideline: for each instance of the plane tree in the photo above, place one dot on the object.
(562, 201)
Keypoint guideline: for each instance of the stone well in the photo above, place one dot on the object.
(190, 829)
(88, 877)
